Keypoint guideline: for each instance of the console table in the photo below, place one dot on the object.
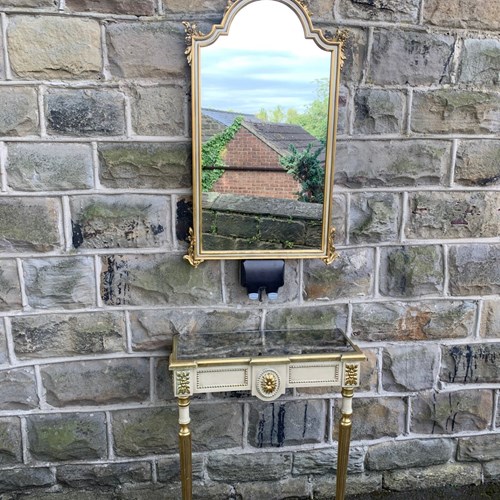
(265, 363)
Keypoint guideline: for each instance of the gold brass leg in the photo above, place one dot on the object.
(185, 452)
(344, 441)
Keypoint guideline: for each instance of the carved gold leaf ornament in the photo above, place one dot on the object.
(191, 30)
(305, 6)
(183, 386)
(190, 255)
(269, 383)
(331, 252)
(341, 37)
(351, 374)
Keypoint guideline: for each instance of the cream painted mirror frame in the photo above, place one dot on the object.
(195, 42)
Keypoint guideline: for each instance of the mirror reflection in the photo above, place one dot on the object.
(264, 91)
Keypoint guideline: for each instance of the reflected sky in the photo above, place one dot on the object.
(265, 61)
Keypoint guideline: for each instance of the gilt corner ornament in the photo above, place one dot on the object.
(268, 383)
(183, 384)
(341, 37)
(351, 375)
(191, 30)
(190, 255)
(331, 252)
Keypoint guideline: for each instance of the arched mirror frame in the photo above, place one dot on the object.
(195, 41)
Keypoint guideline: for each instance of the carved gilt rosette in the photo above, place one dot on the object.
(268, 383)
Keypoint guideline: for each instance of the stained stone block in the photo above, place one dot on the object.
(125, 221)
(374, 217)
(18, 389)
(440, 215)
(286, 423)
(349, 275)
(18, 111)
(25, 478)
(155, 430)
(409, 453)
(85, 112)
(10, 290)
(40, 167)
(455, 111)
(451, 474)
(62, 47)
(369, 371)
(248, 467)
(479, 448)
(384, 10)
(374, 418)
(67, 436)
(55, 335)
(360, 484)
(128, 59)
(168, 469)
(413, 321)
(158, 279)
(158, 110)
(355, 50)
(462, 14)
(480, 62)
(96, 382)
(39, 4)
(195, 6)
(324, 461)
(411, 368)
(29, 224)
(126, 7)
(470, 363)
(407, 57)
(474, 269)
(409, 271)
(116, 474)
(451, 412)
(491, 471)
(158, 166)
(60, 282)
(362, 164)
(273, 490)
(378, 111)
(10, 441)
(490, 319)
(153, 329)
(478, 163)
(164, 381)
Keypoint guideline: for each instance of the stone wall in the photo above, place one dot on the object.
(95, 168)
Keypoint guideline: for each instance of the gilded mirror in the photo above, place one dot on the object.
(265, 88)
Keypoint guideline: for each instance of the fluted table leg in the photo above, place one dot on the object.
(185, 452)
(344, 442)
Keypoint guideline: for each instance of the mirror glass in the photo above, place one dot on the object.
(264, 112)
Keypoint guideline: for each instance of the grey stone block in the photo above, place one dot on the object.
(164, 382)
(407, 57)
(360, 484)
(408, 271)
(62, 47)
(374, 217)
(111, 475)
(450, 111)
(85, 112)
(478, 163)
(409, 453)
(411, 368)
(124, 221)
(4, 355)
(195, 6)
(378, 111)
(480, 62)
(164, 57)
(413, 321)
(18, 111)
(67, 436)
(491, 471)
(248, 467)
(10, 290)
(470, 364)
(451, 474)
(324, 461)
(24, 478)
(53, 335)
(18, 389)
(10, 441)
(462, 14)
(168, 469)
(158, 166)
(440, 215)
(355, 50)
(285, 423)
(349, 275)
(362, 164)
(29, 224)
(274, 490)
(490, 319)
(96, 382)
(374, 418)
(381, 10)
(158, 110)
(474, 269)
(39, 4)
(158, 279)
(60, 282)
(479, 448)
(52, 167)
(126, 7)
(451, 412)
